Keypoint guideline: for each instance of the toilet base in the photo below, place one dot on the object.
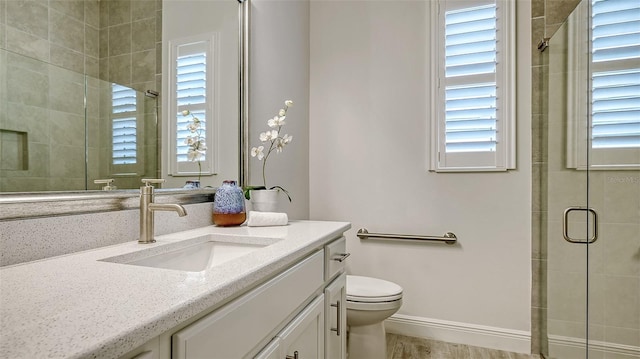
(367, 342)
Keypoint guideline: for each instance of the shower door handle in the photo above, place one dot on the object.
(565, 225)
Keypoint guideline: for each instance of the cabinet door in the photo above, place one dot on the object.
(271, 351)
(303, 338)
(335, 308)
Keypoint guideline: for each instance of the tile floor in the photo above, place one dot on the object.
(402, 347)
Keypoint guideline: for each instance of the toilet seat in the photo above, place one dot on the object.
(372, 290)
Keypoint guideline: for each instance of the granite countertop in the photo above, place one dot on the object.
(78, 305)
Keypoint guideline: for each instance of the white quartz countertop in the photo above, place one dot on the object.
(77, 306)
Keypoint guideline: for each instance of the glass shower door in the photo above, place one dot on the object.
(567, 201)
(593, 183)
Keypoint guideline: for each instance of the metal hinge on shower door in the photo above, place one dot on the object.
(594, 223)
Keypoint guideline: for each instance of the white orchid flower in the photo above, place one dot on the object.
(273, 122)
(189, 141)
(283, 141)
(276, 121)
(194, 155)
(258, 151)
(193, 127)
(268, 136)
(282, 112)
(200, 146)
(186, 112)
(288, 103)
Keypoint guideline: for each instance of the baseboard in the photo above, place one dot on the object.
(462, 333)
(569, 347)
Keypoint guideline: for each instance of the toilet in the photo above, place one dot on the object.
(369, 302)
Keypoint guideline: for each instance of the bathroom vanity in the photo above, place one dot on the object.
(265, 292)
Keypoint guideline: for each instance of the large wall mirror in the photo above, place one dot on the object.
(93, 90)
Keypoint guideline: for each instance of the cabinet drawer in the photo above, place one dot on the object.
(235, 329)
(335, 255)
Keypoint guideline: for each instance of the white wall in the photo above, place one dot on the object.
(280, 71)
(369, 145)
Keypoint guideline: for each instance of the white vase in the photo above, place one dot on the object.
(264, 200)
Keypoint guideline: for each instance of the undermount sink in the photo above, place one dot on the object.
(195, 255)
(198, 257)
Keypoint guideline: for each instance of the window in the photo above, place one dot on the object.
(610, 139)
(473, 126)
(193, 90)
(126, 127)
(123, 123)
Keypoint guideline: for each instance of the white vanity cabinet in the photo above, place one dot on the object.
(299, 314)
(234, 330)
(278, 297)
(320, 331)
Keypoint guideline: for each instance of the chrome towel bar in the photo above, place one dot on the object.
(448, 238)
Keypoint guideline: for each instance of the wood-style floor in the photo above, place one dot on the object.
(402, 347)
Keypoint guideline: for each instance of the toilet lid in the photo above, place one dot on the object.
(366, 289)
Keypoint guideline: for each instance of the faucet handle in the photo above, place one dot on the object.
(107, 182)
(148, 182)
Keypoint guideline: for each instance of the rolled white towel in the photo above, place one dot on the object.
(265, 219)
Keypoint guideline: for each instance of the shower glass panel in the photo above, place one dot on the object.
(60, 130)
(593, 183)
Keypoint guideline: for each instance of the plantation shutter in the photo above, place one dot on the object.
(473, 120)
(124, 125)
(615, 98)
(470, 79)
(191, 94)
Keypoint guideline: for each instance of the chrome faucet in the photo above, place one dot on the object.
(147, 207)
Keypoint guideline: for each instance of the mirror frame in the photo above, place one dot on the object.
(25, 205)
